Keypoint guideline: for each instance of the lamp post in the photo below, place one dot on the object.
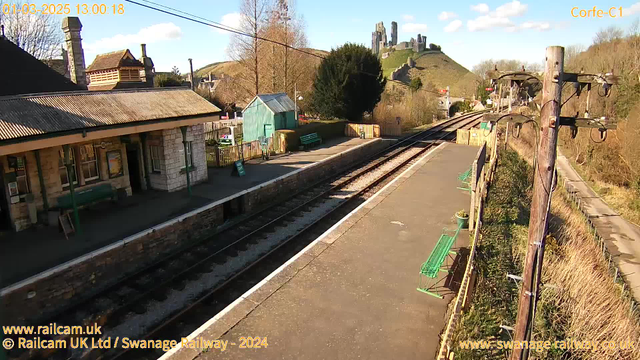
(295, 100)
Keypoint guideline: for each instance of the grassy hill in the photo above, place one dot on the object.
(436, 68)
(232, 68)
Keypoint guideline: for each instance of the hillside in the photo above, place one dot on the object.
(436, 68)
(232, 68)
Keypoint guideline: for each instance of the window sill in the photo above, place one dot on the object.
(76, 186)
(191, 169)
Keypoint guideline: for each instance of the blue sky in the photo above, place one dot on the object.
(469, 32)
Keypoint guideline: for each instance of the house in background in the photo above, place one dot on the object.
(267, 113)
(59, 143)
(120, 70)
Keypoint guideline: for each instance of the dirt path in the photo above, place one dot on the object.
(621, 237)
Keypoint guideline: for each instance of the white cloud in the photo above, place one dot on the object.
(514, 8)
(149, 35)
(408, 17)
(447, 15)
(414, 28)
(536, 25)
(231, 20)
(633, 9)
(458, 42)
(487, 22)
(453, 26)
(481, 8)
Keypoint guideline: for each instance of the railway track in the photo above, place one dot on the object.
(170, 298)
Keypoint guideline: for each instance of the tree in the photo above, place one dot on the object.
(607, 34)
(247, 50)
(348, 83)
(168, 79)
(433, 46)
(175, 71)
(416, 84)
(284, 66)
(36, 33)
(482, 93)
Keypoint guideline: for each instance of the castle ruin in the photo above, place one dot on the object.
(379, 40)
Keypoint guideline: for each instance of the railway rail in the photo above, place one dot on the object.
(169, 299)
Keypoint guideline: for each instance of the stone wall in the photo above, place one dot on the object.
(171, 176)
(49, 160)
(44, 293)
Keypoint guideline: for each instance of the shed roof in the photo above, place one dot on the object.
(277, 103)
(114, 60)
(25, 74)
(39, 114)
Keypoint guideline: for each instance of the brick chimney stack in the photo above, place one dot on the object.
(149, 71)
(71, 26)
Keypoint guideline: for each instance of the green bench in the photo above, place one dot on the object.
(465, 178)
(433, 266)
(86, 196)
(310, 139)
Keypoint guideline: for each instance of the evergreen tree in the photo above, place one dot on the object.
(348, 83)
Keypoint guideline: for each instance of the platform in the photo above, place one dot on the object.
(352, 292)
(34, 250)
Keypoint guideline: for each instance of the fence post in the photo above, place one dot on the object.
(472, 209)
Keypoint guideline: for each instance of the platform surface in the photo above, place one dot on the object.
(31, 251)
(352, 293)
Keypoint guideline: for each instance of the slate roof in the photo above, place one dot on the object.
(277, 103)
(39, 114)
(113, 60)
(24, 74)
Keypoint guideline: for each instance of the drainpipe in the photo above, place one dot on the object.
(186, 162)
(71, 170)
(145, 160)
(43, 188)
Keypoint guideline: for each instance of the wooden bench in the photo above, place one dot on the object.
(87, 196)
(310, 139)
(433, 266)
(465, 178)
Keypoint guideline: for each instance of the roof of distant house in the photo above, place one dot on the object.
(51, 113)
(24, 74)
(277, 103)
(114, 60)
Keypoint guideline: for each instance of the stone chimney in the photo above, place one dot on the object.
(71, 26)
(149, 71)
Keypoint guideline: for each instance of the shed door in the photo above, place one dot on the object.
(268, 130)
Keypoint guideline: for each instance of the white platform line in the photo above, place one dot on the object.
(257, 286)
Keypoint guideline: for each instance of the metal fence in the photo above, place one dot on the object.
(224, 156)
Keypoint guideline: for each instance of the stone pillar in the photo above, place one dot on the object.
(71, 26)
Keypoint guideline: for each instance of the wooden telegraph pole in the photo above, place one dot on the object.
(543, 180)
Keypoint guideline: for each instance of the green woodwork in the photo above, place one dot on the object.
(87, 196)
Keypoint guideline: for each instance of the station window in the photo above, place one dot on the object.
(156, 157)
(64, 174)
(89, 162)
(189, 155)
(21, 176)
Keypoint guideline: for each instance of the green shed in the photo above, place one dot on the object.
(267, 113)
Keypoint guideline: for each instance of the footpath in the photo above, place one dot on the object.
(621, 237)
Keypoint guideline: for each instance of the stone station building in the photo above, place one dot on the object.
(128, 141)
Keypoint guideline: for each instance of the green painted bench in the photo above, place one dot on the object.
(465, 178)
(433, 266)
(86, 196)
(310, 139)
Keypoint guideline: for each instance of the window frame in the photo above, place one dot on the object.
(95, 160)
(25, 176)
(156, 167)
(189, 151)
(74, 164)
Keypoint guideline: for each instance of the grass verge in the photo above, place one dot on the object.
(580, 300)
